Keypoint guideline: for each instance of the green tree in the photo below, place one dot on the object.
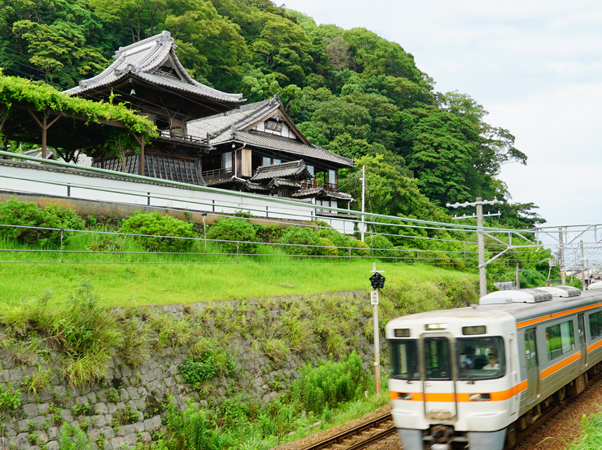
(453, 152)
(283, 48)
(54, 40)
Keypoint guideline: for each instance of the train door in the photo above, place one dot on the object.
(439, 387)
(582, 340)
(532, 365)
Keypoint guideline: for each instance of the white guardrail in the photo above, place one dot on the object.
(97, 185)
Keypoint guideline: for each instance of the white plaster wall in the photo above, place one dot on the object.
(54, 183)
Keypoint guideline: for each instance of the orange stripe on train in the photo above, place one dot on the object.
(560, 365)
(461, 397)
(594, 346)
(556, 315)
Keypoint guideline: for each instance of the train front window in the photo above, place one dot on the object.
(481, 358)
(404, 359)
(437, 358)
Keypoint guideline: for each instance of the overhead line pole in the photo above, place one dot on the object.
(561, 247)
(480, 236)
(362, 225)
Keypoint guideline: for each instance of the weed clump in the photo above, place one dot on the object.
(86, 335)
(206, 361)
(331, 383)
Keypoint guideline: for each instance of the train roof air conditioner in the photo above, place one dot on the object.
(562, 291)
(518, 296)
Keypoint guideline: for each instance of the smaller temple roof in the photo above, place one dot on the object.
(236, 126)
(153, 60)
(292, 169)
(321, 192)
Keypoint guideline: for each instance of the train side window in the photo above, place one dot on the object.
(404, 359)
(595, 324)
(560, 339)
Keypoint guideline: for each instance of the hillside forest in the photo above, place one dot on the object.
(349, 91)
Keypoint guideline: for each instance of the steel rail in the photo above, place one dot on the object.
(339, 438)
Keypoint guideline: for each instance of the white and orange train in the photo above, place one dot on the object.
(479, 377)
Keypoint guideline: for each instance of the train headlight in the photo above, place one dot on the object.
(404, 396)
(402, 332)
(480, 397)
(435, 326)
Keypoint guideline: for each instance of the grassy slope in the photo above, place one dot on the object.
(137, 284)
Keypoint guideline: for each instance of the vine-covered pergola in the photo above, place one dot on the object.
(35, 112)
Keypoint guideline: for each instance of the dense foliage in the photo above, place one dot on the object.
(350, 91)
(43, 96)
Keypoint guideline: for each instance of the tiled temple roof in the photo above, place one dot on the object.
(233, 126)
(172, 169)
(292, 169)
(147, 59)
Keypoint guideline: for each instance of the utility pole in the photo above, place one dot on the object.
(561, 247)
(362, 225)
(481, 245)
(480, 235)
(517, 277)
(582, 267)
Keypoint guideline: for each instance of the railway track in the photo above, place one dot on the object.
(358, 437)
(381, 427)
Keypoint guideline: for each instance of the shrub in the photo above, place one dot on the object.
(338, 239)
(270, 233)
(380, 245)
(69, 219)
(157, 225)
(328, 248)
(305, 239)
(229, 229)
(359, 248)
(29, 214)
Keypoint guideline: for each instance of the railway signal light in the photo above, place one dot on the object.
(377, 280)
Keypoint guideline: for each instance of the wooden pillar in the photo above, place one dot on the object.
(142, 157)
(140, 142)
(44, 126)
(44, 135)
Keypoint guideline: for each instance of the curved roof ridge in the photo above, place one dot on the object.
(143, 58)
(164, 37)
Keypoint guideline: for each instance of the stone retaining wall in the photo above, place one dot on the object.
(128, 406)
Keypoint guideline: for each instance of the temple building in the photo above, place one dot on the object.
(206, 137)
(258, 149)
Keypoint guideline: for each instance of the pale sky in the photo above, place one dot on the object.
(535, 65)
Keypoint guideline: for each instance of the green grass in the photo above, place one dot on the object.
(591, 438)
(189, 278)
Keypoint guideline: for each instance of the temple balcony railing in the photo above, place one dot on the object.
(311, 184)
(177, 136)
(218, 175)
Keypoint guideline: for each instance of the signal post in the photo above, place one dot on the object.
(378, 282)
